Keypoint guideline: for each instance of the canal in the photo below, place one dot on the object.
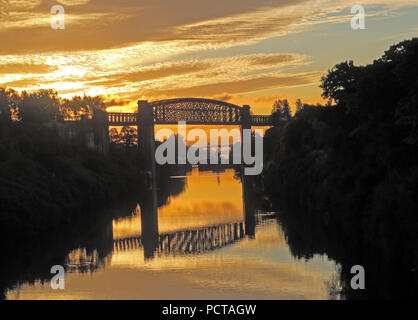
(210, 243)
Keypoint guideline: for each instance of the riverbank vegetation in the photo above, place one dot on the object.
(351, 167)
(47, 182)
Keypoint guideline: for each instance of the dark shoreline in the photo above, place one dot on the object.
(347, 173)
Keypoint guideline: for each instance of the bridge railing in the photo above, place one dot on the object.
(74, 118)
(119, 118)
(261, 120)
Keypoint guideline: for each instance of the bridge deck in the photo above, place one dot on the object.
(131, 119)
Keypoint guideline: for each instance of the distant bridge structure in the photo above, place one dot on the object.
(94, 129)
(193, 111)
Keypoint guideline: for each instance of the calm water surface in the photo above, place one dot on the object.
(208, 246)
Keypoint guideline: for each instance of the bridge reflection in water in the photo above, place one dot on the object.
(187, 241)
(184, 232)
(206, 243)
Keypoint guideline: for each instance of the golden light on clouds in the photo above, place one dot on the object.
(161, 49)
(207, 201)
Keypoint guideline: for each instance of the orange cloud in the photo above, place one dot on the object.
(19, 68)
(239, 86)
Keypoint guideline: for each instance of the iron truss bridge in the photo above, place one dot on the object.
(193, 111)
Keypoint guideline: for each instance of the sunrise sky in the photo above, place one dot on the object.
(240, 51)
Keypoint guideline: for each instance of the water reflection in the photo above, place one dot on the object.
(211, 241)
(192, 223)
(187, 241)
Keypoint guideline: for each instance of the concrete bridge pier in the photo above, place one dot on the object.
(245, 118)
(149, 211)
(149, 223)
(245, 124)
(247, 190)
(146, 134)
(249, 206)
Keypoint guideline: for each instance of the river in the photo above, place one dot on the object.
(211, 243)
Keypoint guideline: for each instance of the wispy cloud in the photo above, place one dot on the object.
(155, 48)
(239, 85)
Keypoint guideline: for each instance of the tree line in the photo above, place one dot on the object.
(45, 105)
(351, 166)
(48, 182)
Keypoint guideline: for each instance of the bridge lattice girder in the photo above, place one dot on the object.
(196, 111)
(188, 241)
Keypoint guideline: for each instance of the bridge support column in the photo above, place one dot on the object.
(246, 117)
(146, 138)
(149, 211)
(249, 211)
(101, 131)
(149, 223)
(245, 124)
(249, 207)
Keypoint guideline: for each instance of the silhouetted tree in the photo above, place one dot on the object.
(299, 105)
(339, 82)
(78, 106)
(281, 110)
(8, 103)
(39, 106)
(404, 59)
(351, 166)
(127, 137)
